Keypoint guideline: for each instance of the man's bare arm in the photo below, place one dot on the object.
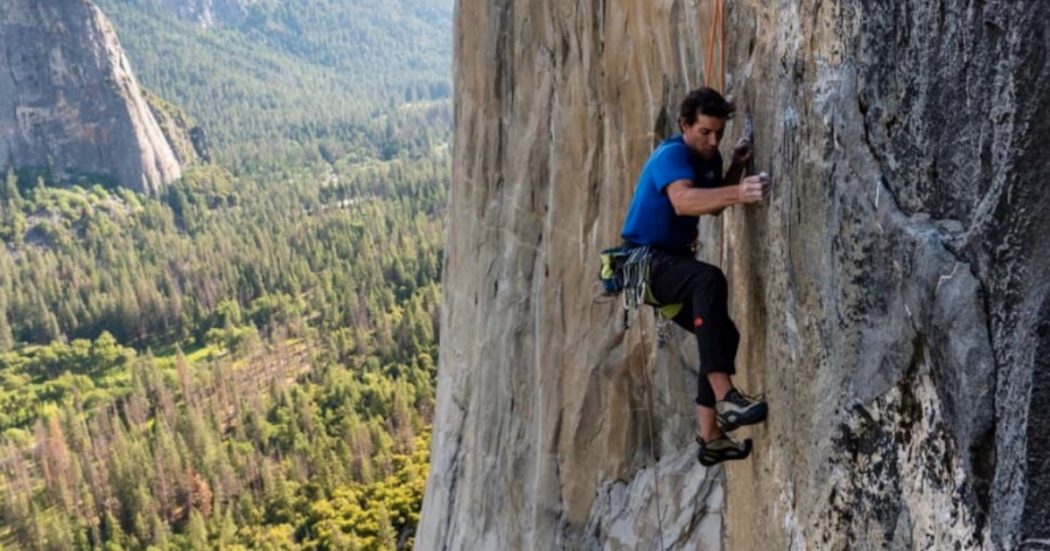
(693, 201)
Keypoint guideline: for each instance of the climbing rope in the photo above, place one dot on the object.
(717, 31)
(714, 77)
(652, 448)
(639, 271)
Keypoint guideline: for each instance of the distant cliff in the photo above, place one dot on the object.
(69, 103)
(892, 294)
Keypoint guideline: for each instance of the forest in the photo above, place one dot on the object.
(246, 360)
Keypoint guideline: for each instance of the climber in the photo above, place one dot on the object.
(681, 181)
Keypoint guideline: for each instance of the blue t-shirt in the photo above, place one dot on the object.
(651, 219)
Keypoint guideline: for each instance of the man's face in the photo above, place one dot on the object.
(703, 135)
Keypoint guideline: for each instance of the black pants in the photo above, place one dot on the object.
(704, 293)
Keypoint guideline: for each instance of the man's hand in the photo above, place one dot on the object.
(754, 189)
(742, 151)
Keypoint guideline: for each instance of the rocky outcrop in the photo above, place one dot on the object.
(891, 293)
(69, 103)
(186, 139)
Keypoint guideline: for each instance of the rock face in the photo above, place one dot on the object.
(891, 294)
(893, 290)
(69, 102)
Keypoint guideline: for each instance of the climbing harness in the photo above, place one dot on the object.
(625, 269)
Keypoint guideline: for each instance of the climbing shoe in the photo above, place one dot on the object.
(722, 449)
(738, 409)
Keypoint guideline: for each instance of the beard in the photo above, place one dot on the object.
(707, 153)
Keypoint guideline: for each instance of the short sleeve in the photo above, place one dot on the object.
(671, 164)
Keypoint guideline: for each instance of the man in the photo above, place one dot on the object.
(681, 181)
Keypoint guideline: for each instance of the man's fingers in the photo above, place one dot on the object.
(755, 188)
(753, 191)
(765, 185)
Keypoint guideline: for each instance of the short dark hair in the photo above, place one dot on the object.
(704, 101)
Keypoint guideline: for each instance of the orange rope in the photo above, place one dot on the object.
(717, 30)
(715, 78)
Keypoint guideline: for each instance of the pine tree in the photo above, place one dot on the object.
(401, 417)
(166, 468)
(159, 531)
(182, 370)
(11, 196)
(387, 536)
(47, 327)
(17, 507)
(112, 531)
(55, 462)
(197, 531)
(7, 340)
(227, 533)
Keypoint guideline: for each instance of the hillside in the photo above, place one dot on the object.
(262, 350)
(246, 358)
(299, 81)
